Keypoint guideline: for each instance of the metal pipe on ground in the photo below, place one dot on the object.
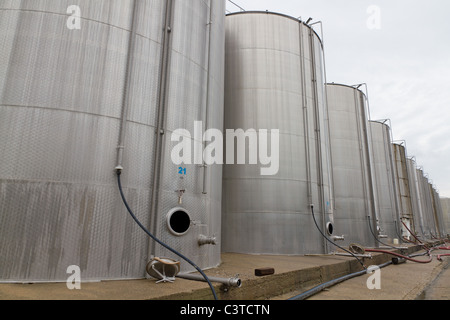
(229, 282)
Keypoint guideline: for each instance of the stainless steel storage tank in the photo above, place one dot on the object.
(416, 199)
(352, 164)
(80, 80)
(441, 216)
(385, 181)
(275, 81)
(445, 203)
(437, 210)
(403, 185)
(443, 228)
(427, 206)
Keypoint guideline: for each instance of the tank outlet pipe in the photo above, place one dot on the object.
(229, 282)
(316, 290)
(130, 211)
(204, 240)
(180, 195)
(378, 232)
(338, 238)
(329, 240)
(383, 236)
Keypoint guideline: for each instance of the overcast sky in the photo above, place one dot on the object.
(405, 62)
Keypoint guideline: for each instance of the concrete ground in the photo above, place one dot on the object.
(408, 281)
(293, 275)
(439, 289)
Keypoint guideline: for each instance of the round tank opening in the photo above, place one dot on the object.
(330, 228)
(178, 221)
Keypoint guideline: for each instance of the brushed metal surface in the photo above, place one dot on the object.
(438, 215)
(275, 80)
(416, 199)
(352, 157)
(445, 203)
(427, 206)
(403, 190)
(62, 94)
(428, 211)
(384, 177)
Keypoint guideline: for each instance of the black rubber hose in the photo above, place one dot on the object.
(119, 172)
(376, 238)
(319, 288)
(335, 244)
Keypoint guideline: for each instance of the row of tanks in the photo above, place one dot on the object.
(128, 84)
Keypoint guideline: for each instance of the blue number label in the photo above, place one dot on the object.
(182, 171)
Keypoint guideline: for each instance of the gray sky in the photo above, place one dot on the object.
(406, 63)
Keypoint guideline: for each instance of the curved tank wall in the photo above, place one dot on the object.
(443, 227)
(442, 223)
(424, 205)
(64, 92)
(385, 180)
(430, 214)
(403, 191)
(445, 203)
(351, 157)
(427, 206)
(438, 216)
(416, 199)
(275, 81)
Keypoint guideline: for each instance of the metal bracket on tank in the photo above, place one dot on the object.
(180, 195)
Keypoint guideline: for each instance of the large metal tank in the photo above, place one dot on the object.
(416, 199)
(80, 96)
(441, 216)
(385, 181)
(352, 164)
(403, 185)
(438, 216)
(275, 81)
(443, 227)
(427, 206)
(445, 203)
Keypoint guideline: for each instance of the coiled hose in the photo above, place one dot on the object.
(119, 172)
